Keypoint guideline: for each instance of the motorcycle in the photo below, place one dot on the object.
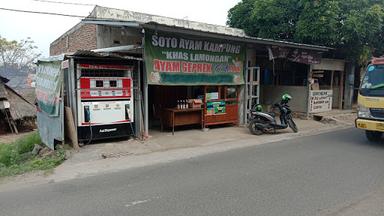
(262, 122)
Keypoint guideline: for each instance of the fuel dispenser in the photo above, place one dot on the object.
(104, 101)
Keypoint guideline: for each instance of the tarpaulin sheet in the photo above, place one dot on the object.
(173, 59)
(50, 117)
(48, 86)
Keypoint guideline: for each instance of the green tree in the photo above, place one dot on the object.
(354, 27)
(274, 19)
(240, 16)
(17, 55)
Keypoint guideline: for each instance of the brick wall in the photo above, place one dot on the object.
(80, 37)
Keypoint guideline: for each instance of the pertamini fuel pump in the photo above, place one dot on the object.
(105, 101)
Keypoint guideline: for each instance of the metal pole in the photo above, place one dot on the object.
(341, 93)
(138, 101)
(309, 78)
(246, 96)
(258, 84)
(145, 89)
(349, 81)
(145, 106)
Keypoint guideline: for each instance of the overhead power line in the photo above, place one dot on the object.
(68, 3)
(41, 12)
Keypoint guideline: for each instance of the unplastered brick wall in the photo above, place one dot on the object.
(80, 37)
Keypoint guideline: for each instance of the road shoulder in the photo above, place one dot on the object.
(83, 165)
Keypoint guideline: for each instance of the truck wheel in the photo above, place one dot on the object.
(373, 136)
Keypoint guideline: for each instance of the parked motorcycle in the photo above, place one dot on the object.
(262, 122)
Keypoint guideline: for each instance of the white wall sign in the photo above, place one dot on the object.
(320, 101)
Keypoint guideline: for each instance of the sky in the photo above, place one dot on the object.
(44, 29)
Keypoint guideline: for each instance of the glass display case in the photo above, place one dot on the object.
(221, 105)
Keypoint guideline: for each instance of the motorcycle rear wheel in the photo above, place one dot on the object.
(254, 130)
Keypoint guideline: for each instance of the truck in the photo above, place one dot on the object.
(370, 111)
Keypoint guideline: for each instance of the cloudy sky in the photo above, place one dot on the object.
(44, 29)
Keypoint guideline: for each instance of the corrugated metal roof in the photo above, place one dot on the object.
(246, 39)
(3, 91)
(102, 53)
(105, 14)
(3, 79)
(52, 58)
(126, 15)
(86, 53)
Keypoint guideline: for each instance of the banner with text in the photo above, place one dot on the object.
(48, 87)
(320, 101)
(295, 55)
(184, 60)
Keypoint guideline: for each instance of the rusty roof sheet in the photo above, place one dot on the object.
(113, 14)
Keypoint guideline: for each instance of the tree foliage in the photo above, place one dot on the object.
(354, 27)
(17, 55)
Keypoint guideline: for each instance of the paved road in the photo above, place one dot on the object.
(328, 174)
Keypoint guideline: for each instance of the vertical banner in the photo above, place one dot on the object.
(50, 118)
(48, 87)
(172, 59)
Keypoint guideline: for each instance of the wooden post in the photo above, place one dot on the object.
(70, 127)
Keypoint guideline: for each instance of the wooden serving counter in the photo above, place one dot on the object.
(228, 112)
(229, 117)
(172, 117)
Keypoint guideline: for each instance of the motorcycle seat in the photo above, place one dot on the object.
(271, 114)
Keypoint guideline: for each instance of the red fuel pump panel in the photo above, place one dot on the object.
(105, 87)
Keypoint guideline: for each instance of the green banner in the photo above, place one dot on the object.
(172, 59)
(48, 87)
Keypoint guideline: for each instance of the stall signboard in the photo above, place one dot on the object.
(320, 101)
(212, 96)
(295, 55)
(215, 107)
(48, 87)
(172, 59)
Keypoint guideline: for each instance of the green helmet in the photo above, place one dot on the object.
(258, 108)
(286, 97)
